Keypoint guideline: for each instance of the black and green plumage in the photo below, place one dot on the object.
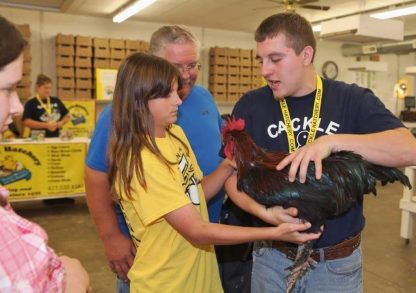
(346, 177)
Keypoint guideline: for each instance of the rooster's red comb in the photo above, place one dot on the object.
(232, 124)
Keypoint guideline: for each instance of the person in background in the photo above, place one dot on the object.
(27, 263)
(48, 113)
(154, 175)
(201, 122)
(316, 117)
(44, 111)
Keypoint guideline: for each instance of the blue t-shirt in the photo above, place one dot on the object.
(199, 118)
(345, 109)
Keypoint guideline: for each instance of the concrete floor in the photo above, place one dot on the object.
(389, 264)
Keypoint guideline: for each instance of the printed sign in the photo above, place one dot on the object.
(82, 117)
(105, 83)
(42, 170)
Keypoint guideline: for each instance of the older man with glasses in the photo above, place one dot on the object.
(198, 116)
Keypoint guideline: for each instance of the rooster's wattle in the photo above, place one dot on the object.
(346, 177)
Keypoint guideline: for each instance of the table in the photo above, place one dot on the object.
(408, 206)
(51, 168)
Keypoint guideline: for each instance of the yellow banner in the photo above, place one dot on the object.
(42, 170)
(82, 113)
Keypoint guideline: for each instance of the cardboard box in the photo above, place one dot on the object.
(217, 59)
(256, 71)
(233, 78)
(245, 88)
(233, 88)
(66, 82)
(233, 61)
(62, 71)
(83, 62)
(218, 51)
(65, 39)
(83, 72)
(115, 63)
(65, 93)
(101, 63)
(27, 55)
(217, 78)
(102, 52)
(23, 92)
(117, 44)
(24, 29)
(64, 60)
(117, 53)
(245, 70)
(219, 96)
(233, 52)
(233, 70)
(145, 46)
(245, 54)
(253, 54)
(83, 41)
(101, 42)
(233, 96)
(217, 87)
(217, 69)
(131, 51)
(245, 79)
(25, 81)
(83, 94)
(65, 50)
(83, 51)
(133, 45)
(245, 62)
(27, 67)
(83, 83)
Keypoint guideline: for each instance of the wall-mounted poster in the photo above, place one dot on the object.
(82, 113)
(105, 83)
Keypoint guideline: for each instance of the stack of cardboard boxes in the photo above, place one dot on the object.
(77, 59)
(24, 87)
(117, 52)
(65, 73)
(233, 72)
(83, 67)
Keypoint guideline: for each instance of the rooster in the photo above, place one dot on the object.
(346, 177)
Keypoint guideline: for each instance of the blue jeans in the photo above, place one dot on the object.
(339, 275)
(122, 287)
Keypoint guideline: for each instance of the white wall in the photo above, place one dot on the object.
(46, 25)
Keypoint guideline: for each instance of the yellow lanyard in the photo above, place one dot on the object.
(315, 117)
(47, 107)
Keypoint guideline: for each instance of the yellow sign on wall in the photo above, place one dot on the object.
(105, 83)
(42, 170)
(82, 114)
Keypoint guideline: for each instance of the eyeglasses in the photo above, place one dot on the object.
(188, 67)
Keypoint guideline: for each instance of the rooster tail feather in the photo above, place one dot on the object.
(389, 175)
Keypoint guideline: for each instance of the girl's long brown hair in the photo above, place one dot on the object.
(140, 78)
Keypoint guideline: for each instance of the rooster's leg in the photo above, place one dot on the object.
(302, 263)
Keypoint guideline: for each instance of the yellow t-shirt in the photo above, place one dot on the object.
(166, 261)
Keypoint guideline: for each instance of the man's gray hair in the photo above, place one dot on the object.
(171, 34)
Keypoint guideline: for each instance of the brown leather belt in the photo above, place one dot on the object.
(340, 250)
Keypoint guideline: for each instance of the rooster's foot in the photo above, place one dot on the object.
(298, 271)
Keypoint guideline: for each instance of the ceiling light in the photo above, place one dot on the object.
(317, 28)
(395, 13)
(132, 10)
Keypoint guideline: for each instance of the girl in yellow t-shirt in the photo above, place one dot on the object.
(156, 179)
